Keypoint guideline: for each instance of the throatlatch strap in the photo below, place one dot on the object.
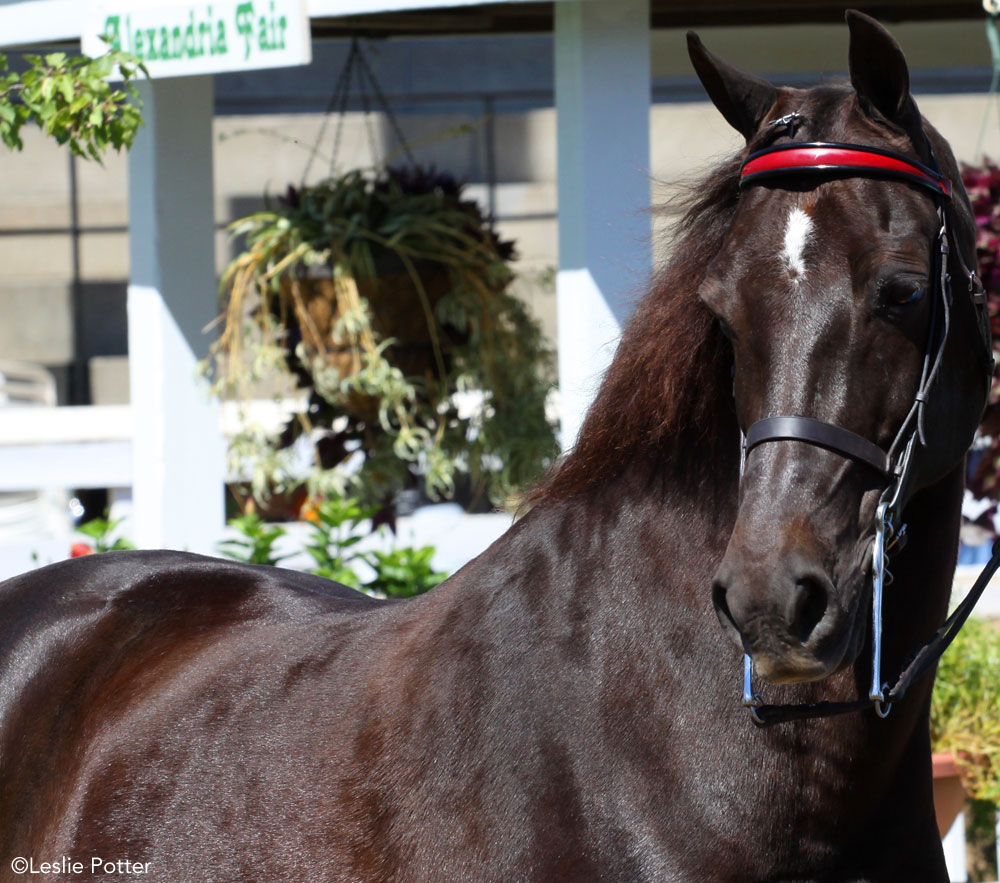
(816, 432)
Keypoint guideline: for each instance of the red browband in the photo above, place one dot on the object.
(821, 158)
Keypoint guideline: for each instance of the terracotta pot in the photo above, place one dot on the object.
(949, 794)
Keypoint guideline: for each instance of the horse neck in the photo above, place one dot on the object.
(630, 559)
(660, 531)
(638, 552)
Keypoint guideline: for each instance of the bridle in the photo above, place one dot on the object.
(824, 161)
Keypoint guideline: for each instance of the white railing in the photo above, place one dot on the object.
(90, 446)
(85, 446)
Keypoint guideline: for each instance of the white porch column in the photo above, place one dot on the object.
(602, 76)
(179, 455)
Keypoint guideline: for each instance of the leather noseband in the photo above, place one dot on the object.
(821, 434)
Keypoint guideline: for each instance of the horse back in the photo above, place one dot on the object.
(92, 649)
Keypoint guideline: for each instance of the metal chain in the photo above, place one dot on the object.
(356, 67)
(383, 102)
(338, 98)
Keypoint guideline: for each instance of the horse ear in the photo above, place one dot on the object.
(741, 98)
(879, 73)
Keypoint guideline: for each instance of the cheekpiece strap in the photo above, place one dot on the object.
(803, 158)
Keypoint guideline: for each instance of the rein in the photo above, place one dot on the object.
(830, 160)
(919, 664)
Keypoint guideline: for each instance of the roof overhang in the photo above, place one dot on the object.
(413, 17)
(32, 22)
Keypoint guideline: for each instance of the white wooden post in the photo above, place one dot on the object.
(954, 850)
(602, 76)
(178, 455)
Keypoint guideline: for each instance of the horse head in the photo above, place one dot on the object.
(829, 289)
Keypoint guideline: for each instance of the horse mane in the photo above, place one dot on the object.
(666, 399)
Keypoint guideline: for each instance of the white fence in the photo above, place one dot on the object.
(88, 446)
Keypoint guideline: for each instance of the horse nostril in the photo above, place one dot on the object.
(808, 607)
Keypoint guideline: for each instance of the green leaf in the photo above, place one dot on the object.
(71, 101)
(101, 531)
(258, 547)
(102, 66)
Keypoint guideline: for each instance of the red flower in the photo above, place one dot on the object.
(78, 550)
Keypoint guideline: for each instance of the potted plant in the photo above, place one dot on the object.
(386, 296)
(949, 792)
(965, 730)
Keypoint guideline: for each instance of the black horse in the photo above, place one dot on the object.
(566, 707)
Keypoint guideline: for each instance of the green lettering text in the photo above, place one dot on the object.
(244, 26)
(112, 31)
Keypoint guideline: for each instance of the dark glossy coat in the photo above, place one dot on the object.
(565, 708)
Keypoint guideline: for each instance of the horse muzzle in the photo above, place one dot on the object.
(785, 613)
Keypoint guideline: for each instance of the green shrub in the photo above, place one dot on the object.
(256, 546)
(336, 530)
(403, 572)
(334, 538)
(965, 711)
(102, 532)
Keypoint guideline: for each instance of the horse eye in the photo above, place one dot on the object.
(726, 328)
(902, 293)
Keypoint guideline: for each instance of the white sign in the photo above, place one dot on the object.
(181, 39)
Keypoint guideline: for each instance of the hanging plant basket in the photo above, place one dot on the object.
(386, 296)
(399, 308)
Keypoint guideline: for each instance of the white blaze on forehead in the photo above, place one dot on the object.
(797, 236)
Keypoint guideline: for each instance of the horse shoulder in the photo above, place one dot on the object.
(111, 662)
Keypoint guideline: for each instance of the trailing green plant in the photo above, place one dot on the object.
(386, 296)
(256, 543)
(70, 99)
(965, 710)
(103, 533)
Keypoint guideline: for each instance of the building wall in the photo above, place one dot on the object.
(478, 107)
